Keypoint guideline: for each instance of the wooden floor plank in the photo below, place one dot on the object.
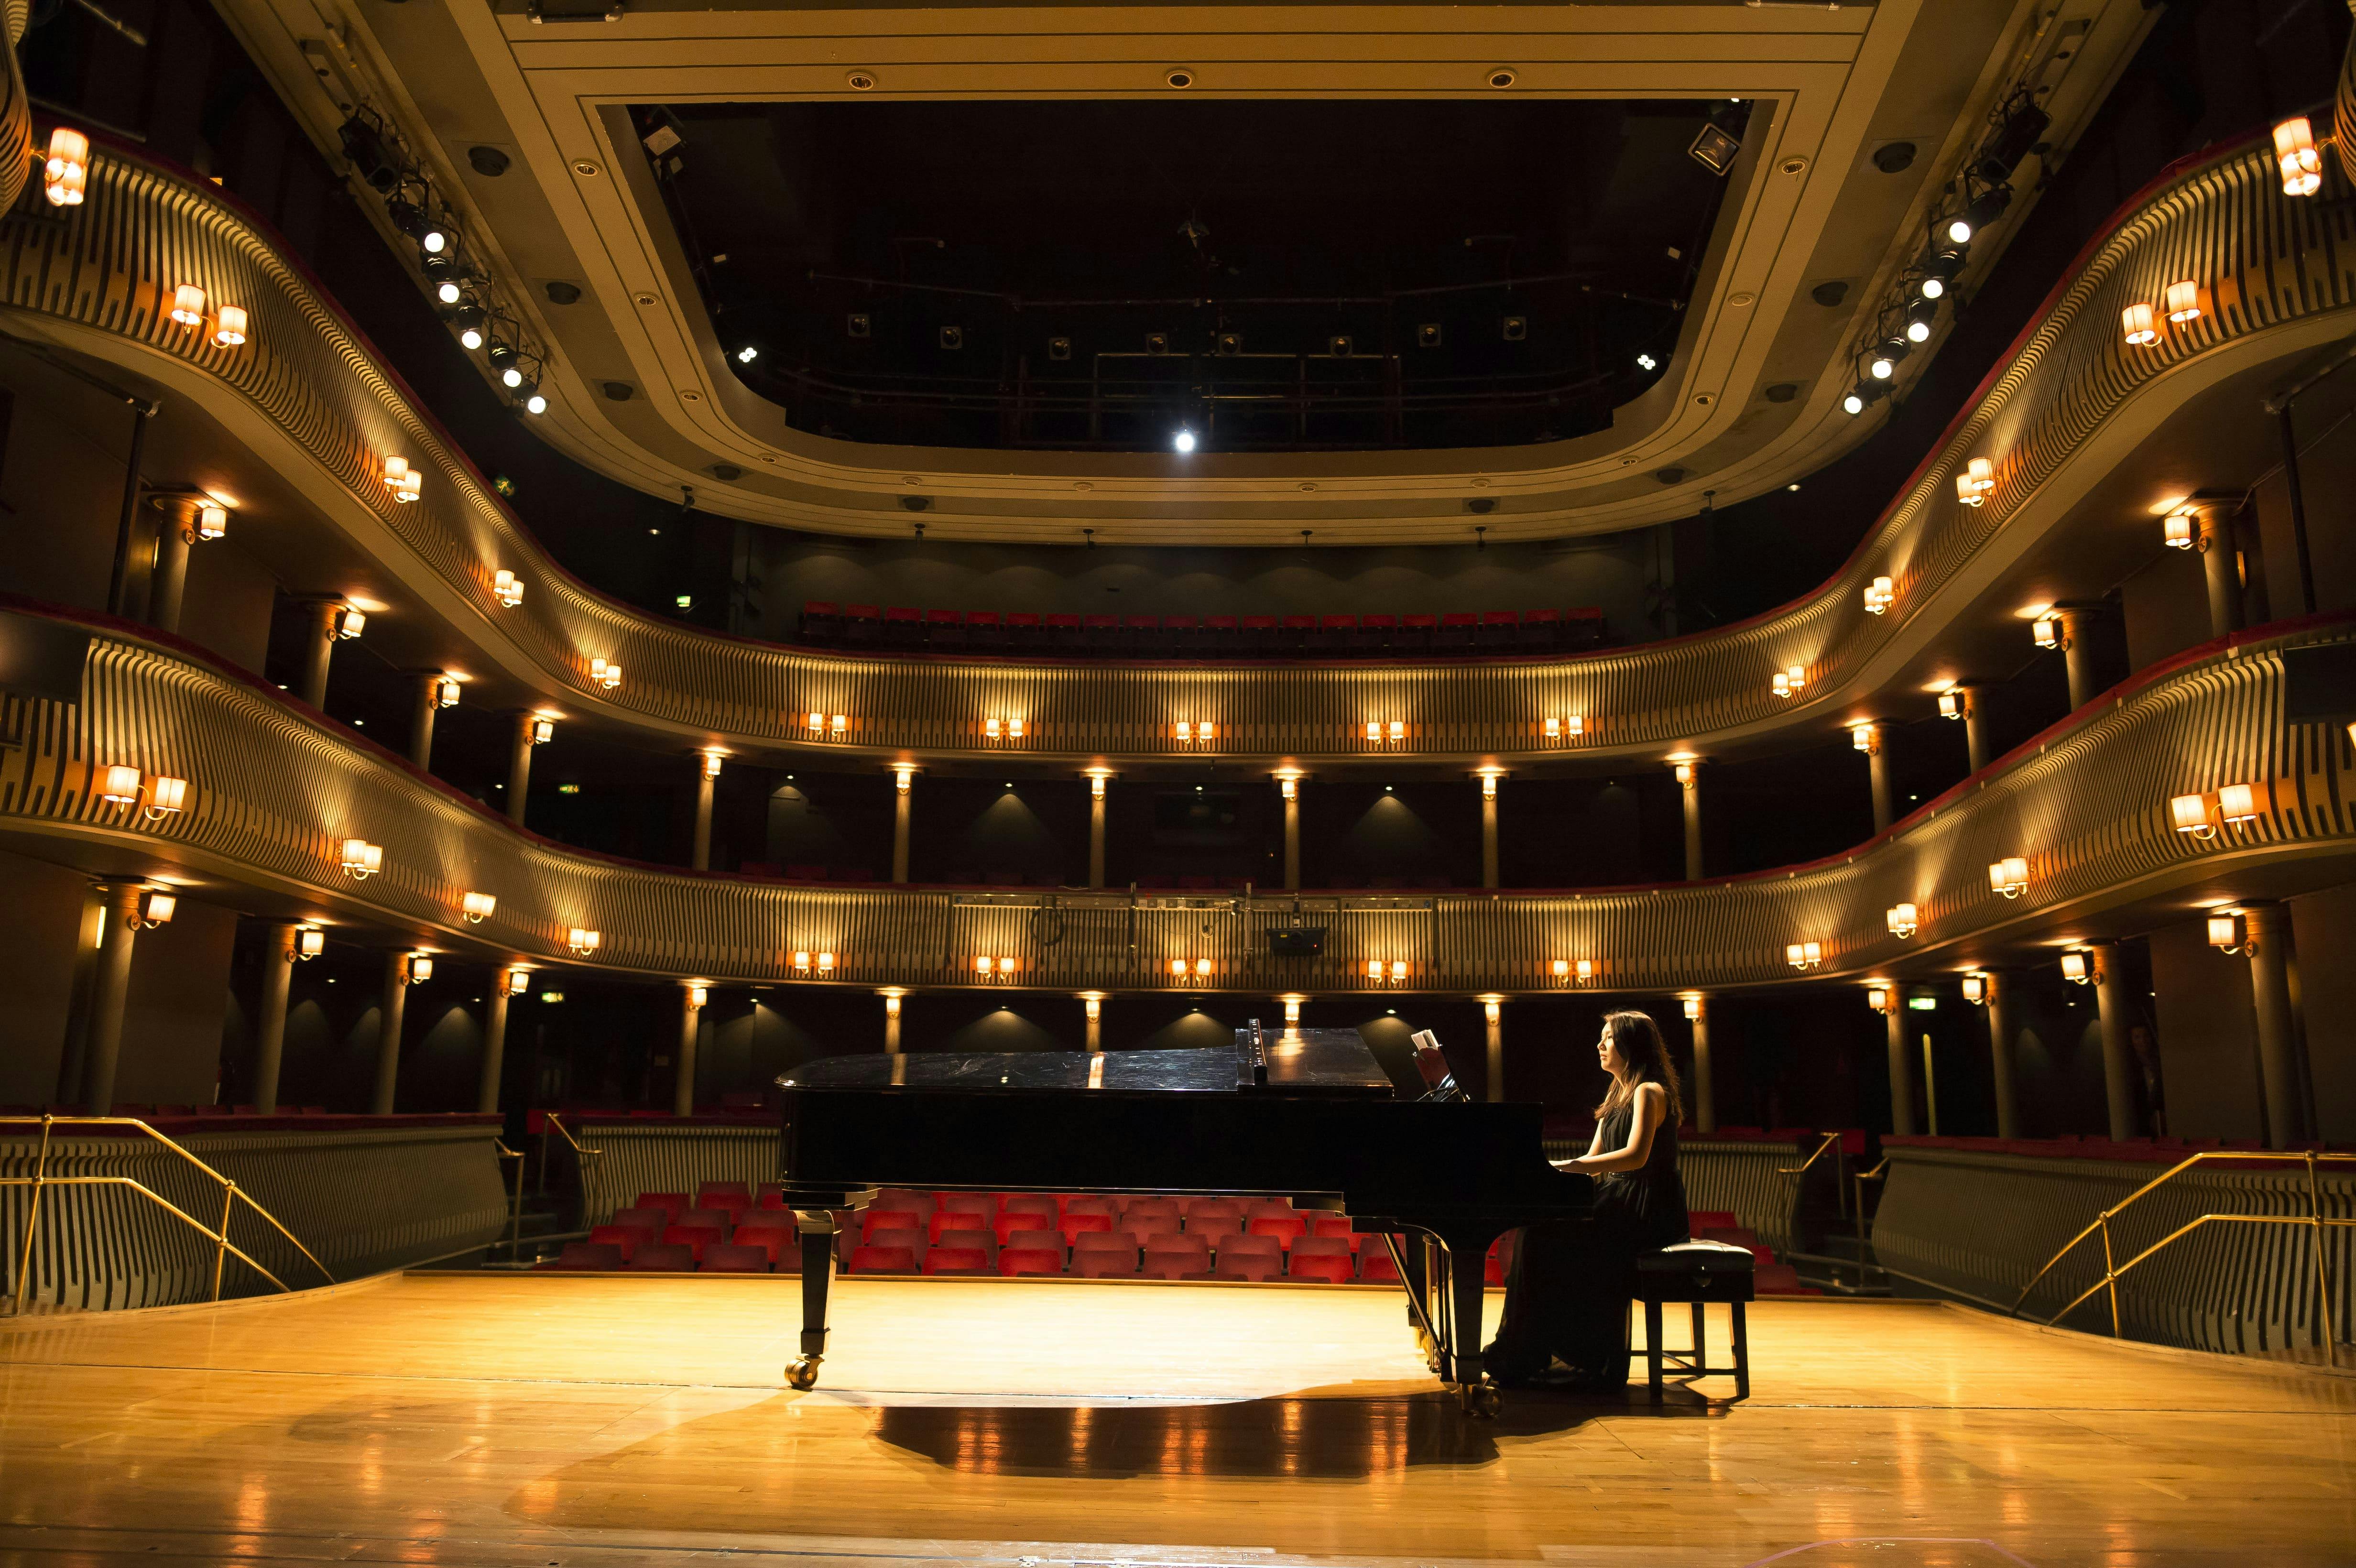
(503, 1420)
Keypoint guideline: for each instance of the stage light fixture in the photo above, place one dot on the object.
(1184, 440)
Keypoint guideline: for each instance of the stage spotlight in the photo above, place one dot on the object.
(1184, 440)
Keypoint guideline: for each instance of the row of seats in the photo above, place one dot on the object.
(826, 623)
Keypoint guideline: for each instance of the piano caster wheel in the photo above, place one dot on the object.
(1482, 1401)
(802, 1374)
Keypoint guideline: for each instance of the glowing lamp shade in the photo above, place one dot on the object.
(1788, 682)
(507, 588)
(2295, 157)
(2183, 303)
(1201, 966)
(543, 731)
(989, 726)
(839, 726)
(1804, 954)
(119, 785)
(349, 624)
(2136, 323)
(583, 941)
(1561, 967)
(1585, 968)
(983, 965)
(1178, 967)
(212, 520)
(310, 942)
(1861, 738)
(1398, 730)
(801, 962)
(1693, 1006)
(711, 765)
(411, 486)
(2009, 876)
(608, 676)
(2225, 931)
(1879, 594)
(188, 305)
(445, 692)
(519, 982)
(1904, 920)
(2046, 631)
(904, 779)
(697, 996)
(2238, 803)
(1185, 732)
(1399, 969)
(1373, 968)
(815, 722)
(1783, 684)
(361, 860)
(1290, 788)
(421, 968)
(1095, 786)
(2190, 814)
(826, 962)
(1488, 786)
(1374, 730)
(66, 172)
(1877, 999)
(1951, 703)
(1976, 989)
(478, 907)
(228, 325)
(2178, 529)
(2075, 968)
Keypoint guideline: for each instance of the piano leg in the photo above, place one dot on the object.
(1466, 1259)
(817, 1228)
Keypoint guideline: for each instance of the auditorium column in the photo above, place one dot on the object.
(1097, 786)
(2118, 1056)
(1705, 1093)
(430, 684)
(118, 929)
(2267, 928)
(1688, 776)
(495, 1039)
(2004, 1028)
(682, 1094)
(174, 535)
(902, 803)
(892, 1022)
(1868, 738)
(387, 1030)
(2222, 571)
(1289, 786)
(319, 647)
(1489, 830)
(531, 729)
(1901, 1064)
(270, 1018)
(1975, 727)
(1092, 1005)
(1493, 1010)
(2077, 659)
(707, 775)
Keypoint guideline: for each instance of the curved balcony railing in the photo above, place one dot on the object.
(274, 790)
(315, 395)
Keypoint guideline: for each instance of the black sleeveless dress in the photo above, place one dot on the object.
(1567, 1293)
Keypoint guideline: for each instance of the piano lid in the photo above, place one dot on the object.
(1324, 1062)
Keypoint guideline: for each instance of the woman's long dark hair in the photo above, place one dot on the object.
(1638, 1039)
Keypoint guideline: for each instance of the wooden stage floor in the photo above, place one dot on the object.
(584, 1421)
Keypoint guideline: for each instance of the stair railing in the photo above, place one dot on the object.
(231, 1195)
(2315, 1219)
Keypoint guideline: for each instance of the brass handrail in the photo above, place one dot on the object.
(564, 1131)
(231, 1194)
(1827, 1141)
(515, 1212)
(1861, 1177)
(2314, 1219)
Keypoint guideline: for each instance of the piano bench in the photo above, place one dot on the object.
(1695, 1274)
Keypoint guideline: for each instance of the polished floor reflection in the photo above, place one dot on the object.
(601, 1420)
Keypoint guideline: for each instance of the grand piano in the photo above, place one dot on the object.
(1322, 1116)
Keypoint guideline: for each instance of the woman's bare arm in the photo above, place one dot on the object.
(1651, 1104)
(1576, 1162)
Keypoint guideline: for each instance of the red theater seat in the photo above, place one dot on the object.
(1078, 1224)
(625, 1239)
(711, 1190)
(955, 1219)
(642, 1219)
(735, 1259)
(1104, 1263)
(1214, 1229)
(1375, 1264)
(1283, 1227)
(1340, 1225)
(694, 1238)
(1028, 1260)
(1333, 1268)
(1015, 1224)
(956, 1260)
(664, 1259)
(583, 1257)
(892, 1218)
(777, 1241)
(983, 1203)
(881, 1259)
(672, 1204)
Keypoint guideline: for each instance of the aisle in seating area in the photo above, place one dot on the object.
(574, 1419)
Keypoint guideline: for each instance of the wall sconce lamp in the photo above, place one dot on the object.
(1880, 596)
(1192, 735)
(583, 942)
(2009, 876)
(2181, 530)
(1488, 786)
(2202, 815)
(1956, 702)
(1904, 921)
(445, 691)
(309, 943)
(1570, 727)
(478, 907)
(2295, 158)
(418, 970)
(518, 981)
(1692, 1004)
(1788, 682)
(230, 326)
(211, 521)
(697, 996)
(1010, 729)
(543, 731)
(155, 906)
(1289, 786)
(2080, 968)
(1973, 484)
(2136, 324)
(1976, 989)
(361, 860)
(188, 305)
(711, 765)
(1178, 968)
(2049, 633)
(507, 588)
(2183, 300)
(1095, 786)
(1293, 1012)
(608, 676)
(406, 483)
(1866, 738)
(1803, 955)
(347, 624)
(2227, 935)
(156, 797)
(904, 779)
(1877, 999)
(66, 174)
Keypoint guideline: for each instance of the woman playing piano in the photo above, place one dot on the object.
(1568, 1293)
